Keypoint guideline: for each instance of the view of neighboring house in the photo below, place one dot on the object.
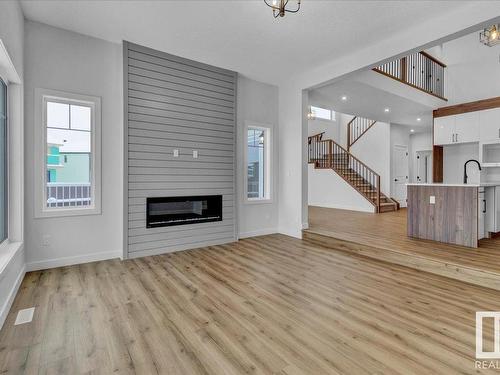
(277, 187)
(68, 155)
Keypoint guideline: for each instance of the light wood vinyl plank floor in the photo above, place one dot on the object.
(388, 230)
(265, 305)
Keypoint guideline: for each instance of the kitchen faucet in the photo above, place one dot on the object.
(465, 168)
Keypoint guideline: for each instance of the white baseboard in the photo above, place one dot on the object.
(69, 261)
(10, 300)
(260, 232)
(292, 232)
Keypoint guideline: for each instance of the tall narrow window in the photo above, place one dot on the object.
(70, 170)
(257, 163)
(3, 162)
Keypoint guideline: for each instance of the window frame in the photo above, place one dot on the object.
(42, 96)
(5, 241)
(268, 197)
(333, 116)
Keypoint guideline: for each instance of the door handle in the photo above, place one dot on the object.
(484, 207)
(395, 180)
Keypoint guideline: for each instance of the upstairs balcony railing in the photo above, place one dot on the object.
(419, 70)
(60, 194)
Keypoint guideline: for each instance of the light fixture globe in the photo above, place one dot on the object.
(490, 36)
(279, 7)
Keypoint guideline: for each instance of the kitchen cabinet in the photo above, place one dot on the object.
(492, 207)
(444, 130)
(456, 129)
(482, 213)
(489, 153)
(467, 127)
(489, 124)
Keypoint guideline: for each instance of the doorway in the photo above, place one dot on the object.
(400, 173)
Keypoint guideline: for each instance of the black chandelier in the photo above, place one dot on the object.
(279, 7)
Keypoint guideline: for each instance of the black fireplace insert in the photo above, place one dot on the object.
(167, 211)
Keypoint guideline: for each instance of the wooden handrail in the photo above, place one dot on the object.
(419, 70)
(430, 57)
(356, 128)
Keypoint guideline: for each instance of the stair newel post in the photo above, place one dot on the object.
(378, 193)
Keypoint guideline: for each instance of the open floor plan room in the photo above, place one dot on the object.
(271, 187)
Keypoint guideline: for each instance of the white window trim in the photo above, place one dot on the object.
(268, 198)
(41, 97)
(332, 114)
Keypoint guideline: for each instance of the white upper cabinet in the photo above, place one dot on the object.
(489, 121)
(444, 130)
(462, 128)
(467, 127)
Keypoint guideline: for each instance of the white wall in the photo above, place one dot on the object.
(473, 70)
(66, 61)
(331, 128)
(374, 149)
(328, 189)
(454, 157)
(12, 260)
(418, 142)
(292, 101)
(258, 103)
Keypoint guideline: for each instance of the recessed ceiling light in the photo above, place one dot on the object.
(412, 130)
(344, 98)
(386, 110)
(419, 119)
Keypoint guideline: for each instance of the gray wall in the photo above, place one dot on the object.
(175, 103)
(63, 60)
(257, 103)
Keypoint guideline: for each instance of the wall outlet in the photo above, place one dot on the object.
(195, 154)
(432, 199)
(46, 240)
(176, 153)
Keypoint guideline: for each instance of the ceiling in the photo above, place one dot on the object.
(241, 35)
(370, 102)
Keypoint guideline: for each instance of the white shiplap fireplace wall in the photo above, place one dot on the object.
(172, 103)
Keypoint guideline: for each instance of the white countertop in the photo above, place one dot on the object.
(482, 184)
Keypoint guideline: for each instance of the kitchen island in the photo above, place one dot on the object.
(446, 213)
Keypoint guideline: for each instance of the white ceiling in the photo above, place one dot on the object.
(241, 35)
(370, 102)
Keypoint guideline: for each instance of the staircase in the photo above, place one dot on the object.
(328, 154)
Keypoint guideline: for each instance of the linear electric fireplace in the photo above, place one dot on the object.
(167, 211)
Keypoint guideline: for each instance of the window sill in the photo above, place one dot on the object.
(8, 251)
(258, 201)
(67, 212)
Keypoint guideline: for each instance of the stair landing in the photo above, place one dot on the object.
(383, 237)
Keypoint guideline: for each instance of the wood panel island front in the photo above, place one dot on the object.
(444, 212)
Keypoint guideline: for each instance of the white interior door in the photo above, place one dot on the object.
(423, 168)
(400, 173)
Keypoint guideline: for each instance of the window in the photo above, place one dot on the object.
(3, 162)
(257, 163)
(69, 152)
(322, 113)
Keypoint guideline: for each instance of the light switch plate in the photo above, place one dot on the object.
(432, 199)
(176, 153)
(195, 154)
(24, 316)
